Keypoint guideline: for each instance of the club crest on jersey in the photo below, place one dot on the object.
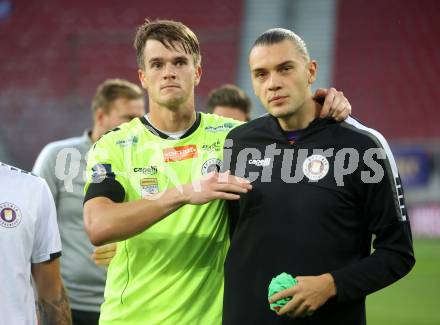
(315, 167)
(149, 186)
(211, 165)
(10, 215)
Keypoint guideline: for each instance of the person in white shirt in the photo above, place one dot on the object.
(30, 247)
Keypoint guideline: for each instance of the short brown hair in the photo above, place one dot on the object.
(229, 95)
(167, 32)
(113, 89)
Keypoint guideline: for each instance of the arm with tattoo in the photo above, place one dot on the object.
(54, 311)
(52, 302)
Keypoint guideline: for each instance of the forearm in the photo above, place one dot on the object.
(55, 310)
(392, 259)
(328, 285)
(109, 222)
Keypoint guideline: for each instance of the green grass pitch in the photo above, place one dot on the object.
(414, 300)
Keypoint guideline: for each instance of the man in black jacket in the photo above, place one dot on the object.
(321, 190)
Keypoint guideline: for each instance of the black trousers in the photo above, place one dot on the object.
(80, 317)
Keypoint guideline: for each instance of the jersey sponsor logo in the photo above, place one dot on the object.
(259, 162)
(150, 170)
(149, 186)
(221, 128)
(10, 215)
(211, 165)
(127, 142)
(101, 171)
(180, 153)
(215, 146)
(315, 167)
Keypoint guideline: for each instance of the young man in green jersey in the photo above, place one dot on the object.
(154, 188)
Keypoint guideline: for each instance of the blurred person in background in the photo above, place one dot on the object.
(30, 247)
(62, 164)
(229, 101)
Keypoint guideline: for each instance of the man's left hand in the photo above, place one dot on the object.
(309, 294)
(335, 104)
(102, 255)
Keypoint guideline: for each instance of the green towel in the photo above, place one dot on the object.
(281, 282)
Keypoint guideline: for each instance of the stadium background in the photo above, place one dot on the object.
(383, 54)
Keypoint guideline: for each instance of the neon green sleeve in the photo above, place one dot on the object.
(106, 160)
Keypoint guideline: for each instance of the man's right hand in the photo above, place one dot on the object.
(214, 186)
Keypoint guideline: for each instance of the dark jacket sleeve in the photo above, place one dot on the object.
(230, 163)
(386, 218)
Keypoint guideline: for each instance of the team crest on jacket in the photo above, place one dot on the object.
(10, 215)
(315, 167)
(211, 165)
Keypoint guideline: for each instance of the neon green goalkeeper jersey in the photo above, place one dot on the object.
(172, 273)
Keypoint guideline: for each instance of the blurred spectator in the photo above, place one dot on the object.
(230, 101)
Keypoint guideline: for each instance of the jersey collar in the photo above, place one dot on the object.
(316, 125)
(155, 131)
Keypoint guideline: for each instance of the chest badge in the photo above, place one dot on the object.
(211, 165)
(315, 167)
(149, 186)
(10, 215)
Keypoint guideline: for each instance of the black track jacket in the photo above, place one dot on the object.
(314, 208)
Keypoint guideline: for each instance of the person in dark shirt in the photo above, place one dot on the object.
(321, 191)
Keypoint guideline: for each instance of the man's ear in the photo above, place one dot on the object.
(197, 74)
(141, 75)
(99, 116)
(313, 70)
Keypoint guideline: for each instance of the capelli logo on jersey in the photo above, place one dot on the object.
(259, 162)
(180, 153)
(150, 170)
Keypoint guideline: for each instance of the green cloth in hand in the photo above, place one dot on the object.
(281, 282)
